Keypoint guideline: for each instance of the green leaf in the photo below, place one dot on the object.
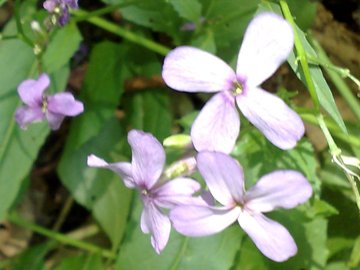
(62, 46)
(181, 253)
(2, 2)
(97, 131)
(355, 254)
(82, 262)
(32, 258)
(188, 9)
(18, 148)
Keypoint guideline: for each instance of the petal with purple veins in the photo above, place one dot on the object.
(278, 189)
(267, 43)
(223, 175)
(217, 126)
(148, 158)
(121, 168)
(153, 221)
(270, 237)
(202, 220)
(177, 192)
(272, 116)
(193, 70)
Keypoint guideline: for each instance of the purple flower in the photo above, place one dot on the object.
(224, 177)
(267, 43)
(143, 173)
(61, 9)
(39, 106)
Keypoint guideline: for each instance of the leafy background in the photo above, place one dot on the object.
(106, 64)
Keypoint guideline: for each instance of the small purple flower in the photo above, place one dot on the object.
(39, 106)
(61, 9)
(224, 177)
(143, 173)
(267, 43)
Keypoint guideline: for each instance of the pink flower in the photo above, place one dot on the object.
(143, 173)
(38, 106)
(267, 43)
(224, 177)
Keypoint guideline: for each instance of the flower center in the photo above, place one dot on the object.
(237, 88)
(44, 106)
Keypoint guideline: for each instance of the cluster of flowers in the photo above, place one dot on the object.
(267, 43)
(60, 10)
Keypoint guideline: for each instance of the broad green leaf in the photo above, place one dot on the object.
(355, 254)
(32, 258)
(81, 262)
(18, 148)
(181, 253)
(97, 131)
(62, 46)
(150, 111)
(188, 9)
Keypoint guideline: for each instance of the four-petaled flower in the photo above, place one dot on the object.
(224, 177)
(143, 173)
(61, 9)
(267, 43)
(39, 106)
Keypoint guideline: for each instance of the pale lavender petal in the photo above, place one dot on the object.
(31, 91)
(267, 42)
(202, 220)
(121, 168)
(64, 104)
(193, 70)
(279, 189)
(26, 115)
(223, 175)
(54, 120)
(148, 158)
(217, 126)
(157, 224)
(272, 116)
(176, 192)
(50, 5)
(270, 237)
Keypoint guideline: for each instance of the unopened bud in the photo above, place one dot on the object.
(178, 141)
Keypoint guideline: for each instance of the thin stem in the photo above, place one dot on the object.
(63, 214)
(16, 219)
(126, 34)
(102, 11)
(21, 34)
(301, 55)
(333, 72)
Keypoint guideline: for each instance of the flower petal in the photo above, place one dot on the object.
(217, 126)
(176, 192)
(54, 120)
(193, 70)
(270, 237)
(157, 224)
(267, 42)
(31, 91)
(223, 175)
(279, 189)
(270, 114)
(26, 115)
(148, 158)
(202, 220)
(64, 104)
(121, 168)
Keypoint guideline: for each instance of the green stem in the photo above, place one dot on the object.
(301, 55)
(337, 79)
(16, 219)
(347, 138)
(102, 11)
(21, 34)
(126, 34)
